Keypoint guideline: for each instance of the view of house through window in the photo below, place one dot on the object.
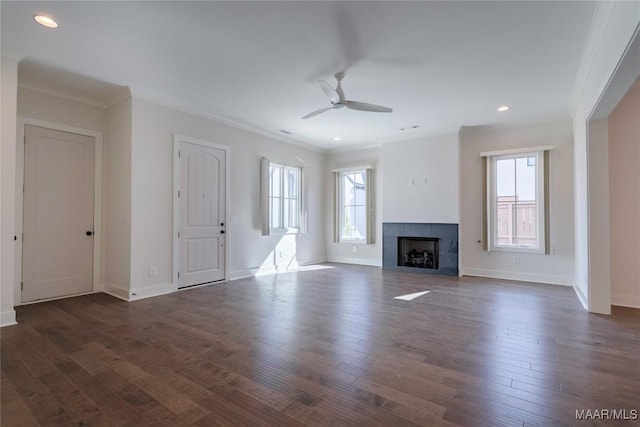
(284, 197)
(353, 205)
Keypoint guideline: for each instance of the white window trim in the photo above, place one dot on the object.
(369, 208)
(540, 200)
(266, 199)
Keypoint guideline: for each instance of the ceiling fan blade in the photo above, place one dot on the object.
(329, 91)
(315, 113)
(363, 106)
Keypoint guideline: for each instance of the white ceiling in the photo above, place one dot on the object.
(440, 65)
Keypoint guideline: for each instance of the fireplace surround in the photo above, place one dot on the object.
(429, 248)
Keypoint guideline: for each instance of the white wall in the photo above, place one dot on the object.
(117, 195)
(344, 252)
(612, 29)
(405, 165)
(153, 127)
(9, 81)
(555, 268)
(624, 199)
(56, 109)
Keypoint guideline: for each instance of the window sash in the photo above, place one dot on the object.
(355, 213)
(516, 209)
(490, 200)
(285, 195)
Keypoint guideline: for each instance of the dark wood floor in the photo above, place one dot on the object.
(324, 347)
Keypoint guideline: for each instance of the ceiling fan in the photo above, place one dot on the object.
(336, 96)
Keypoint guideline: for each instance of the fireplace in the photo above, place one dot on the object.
(438, 240)
(418, 252)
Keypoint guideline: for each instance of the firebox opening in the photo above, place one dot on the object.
(418, 252)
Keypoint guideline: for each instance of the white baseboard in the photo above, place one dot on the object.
(269, 269)
(139, 293)
(98, 287)
(581, 297)
(515, 275)
(116, 291)
(243, 274)
(311, 261)
(626, 300)
(8, 318)
(151, 291)
(272, 269)
(374, 262)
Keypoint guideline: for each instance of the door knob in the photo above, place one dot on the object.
(221, 231)
(89, 233)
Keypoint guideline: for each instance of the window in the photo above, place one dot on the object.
(353, 206)
(354, 210)
(284, 197)
(517, 202)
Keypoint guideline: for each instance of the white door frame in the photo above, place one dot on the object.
(177, 140)
(97, 200)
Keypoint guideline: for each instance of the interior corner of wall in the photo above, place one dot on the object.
(122, 93)
(116, 291)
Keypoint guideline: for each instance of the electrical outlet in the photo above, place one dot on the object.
(152, 271)
(516, 260)
(355, 249)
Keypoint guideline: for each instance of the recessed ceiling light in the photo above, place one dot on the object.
(336, 138)
(503, 108)
(46, 21)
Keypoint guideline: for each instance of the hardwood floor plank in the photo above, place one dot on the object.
(324, 347)
(13, 407)
(42, 405)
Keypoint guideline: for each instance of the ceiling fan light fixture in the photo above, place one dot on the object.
(503, 108)
(45, 21)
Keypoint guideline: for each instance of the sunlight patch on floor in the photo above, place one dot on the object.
(294, 269)
(410, 297)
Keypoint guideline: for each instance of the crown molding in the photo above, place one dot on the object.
(13, 56)
(188, 108)
(94, 102)
(556, 118)
(597, 30)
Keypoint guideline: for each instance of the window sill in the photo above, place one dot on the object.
(284, 231)
(353, 241)
(518, 249)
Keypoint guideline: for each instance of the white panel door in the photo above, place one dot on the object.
(57, 258)
(202, 214)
